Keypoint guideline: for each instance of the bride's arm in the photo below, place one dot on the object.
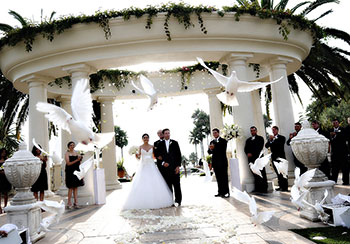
(138, 155)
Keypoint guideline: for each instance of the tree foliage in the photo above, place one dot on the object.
(121, 138)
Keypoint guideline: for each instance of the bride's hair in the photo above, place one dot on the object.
(145, 135)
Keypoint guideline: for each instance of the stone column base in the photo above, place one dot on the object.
(113, 185)
(26, 216)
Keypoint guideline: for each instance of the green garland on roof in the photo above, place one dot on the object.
(181, 11)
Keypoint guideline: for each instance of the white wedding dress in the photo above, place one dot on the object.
(149, 189)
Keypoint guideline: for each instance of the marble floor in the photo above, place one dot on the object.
(202, 218)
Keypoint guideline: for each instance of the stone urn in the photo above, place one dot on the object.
(22, 170)
(311, 148)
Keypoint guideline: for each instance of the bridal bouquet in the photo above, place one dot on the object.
(133, 150)
(231, 131)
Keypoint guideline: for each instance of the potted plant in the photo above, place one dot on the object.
(121, 169)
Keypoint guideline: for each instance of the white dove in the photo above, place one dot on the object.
(297, 197)
(148, 90)
(319, 209)
(56, 208)
(282, 167)
(80, 124)
(84, 167)
(260, 163)
(233, 85)
(301, 180)
(57, 160)
(256, 218)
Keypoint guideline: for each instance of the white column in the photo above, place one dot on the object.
(38, 124)
(109, 160)
(243, 117)
(282, 106)
(80, 72)
(215, 112)
(65, 138)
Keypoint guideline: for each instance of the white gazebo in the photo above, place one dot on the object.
(83, 50)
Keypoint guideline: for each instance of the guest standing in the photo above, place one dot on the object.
(73, 160)
(339, 153)
(217, 148)
(276, 145)
(41, 184)
(5, 185)
(324, 167)
(253, 146)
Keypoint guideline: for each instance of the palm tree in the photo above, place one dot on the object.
(193, 139)
(202, 127)
(7, 28)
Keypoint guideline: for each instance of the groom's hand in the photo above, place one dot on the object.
(177, 170)
(166, 165)
(160, 158)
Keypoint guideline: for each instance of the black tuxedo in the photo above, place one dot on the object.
(339, 155)
(157, 153)
(255, 146)
(297, 163)
(220, 164)
(173, 158)
(277, 151)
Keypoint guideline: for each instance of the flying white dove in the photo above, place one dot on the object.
(301, 180)
(148, 90)
(80, 124)
(54, 156)
(297, 197)
(319, 209)
(233, 85)
(260, 163)
(256, 218)
(84, 167)
(56, 208)
(282, 167)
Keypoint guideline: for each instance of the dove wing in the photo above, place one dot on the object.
(277, 165)
(102, 139)
(81, 103)
(265, 216)
(228, 100)
(55, 114)
(306, 177)
(252, 206)
(248, 86)
(46, 222)
(84, 168)
(137, 88)
(147, 86)
(38, 147)
(241, 196)
(262, 162)
(219, 77)
(294, 192)
(297, 173)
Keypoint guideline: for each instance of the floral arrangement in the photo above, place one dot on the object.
(231, 131)
(133, 150)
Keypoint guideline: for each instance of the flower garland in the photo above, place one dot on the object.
(231, 131)
(181, 11)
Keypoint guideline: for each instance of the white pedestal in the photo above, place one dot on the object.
(335, 212)
(235, 178)
(26, 216)
(100, 186)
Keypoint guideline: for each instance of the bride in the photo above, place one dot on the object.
(149, 189)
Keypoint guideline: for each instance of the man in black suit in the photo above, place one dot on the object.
(324, 167)
(297, 127)
(156, 150)
(170, 155)
(339, 152)
(253, 146)
(217, 148)
(276, 145)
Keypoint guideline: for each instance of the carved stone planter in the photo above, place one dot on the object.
(311, 149)
(22, 170)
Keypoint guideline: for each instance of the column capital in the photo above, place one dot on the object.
(236, 57)
(279, 60)
(106, 99)
(80, 67)
(212, 91)
(36, 79)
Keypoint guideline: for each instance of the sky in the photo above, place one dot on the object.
(171, 112)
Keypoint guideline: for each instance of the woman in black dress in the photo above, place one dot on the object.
(5, 185)
(41, 183)
(73, 160)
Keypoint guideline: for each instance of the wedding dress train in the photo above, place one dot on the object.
(149, 189)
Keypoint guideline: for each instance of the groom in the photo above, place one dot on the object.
(170, 155)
